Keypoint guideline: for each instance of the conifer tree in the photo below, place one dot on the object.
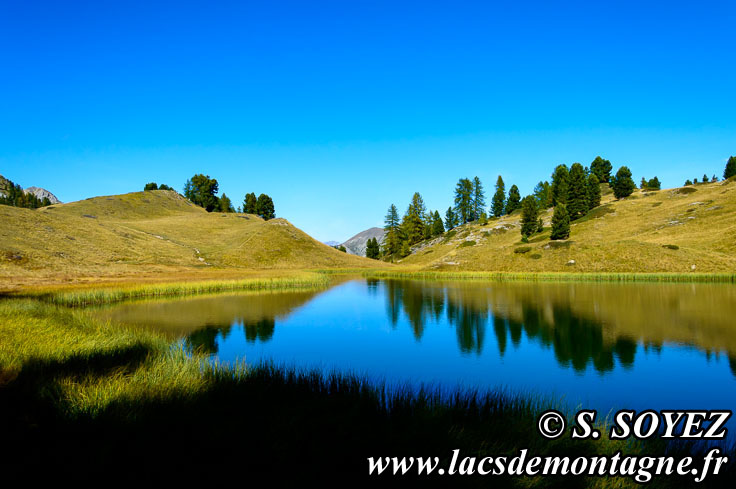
(714, 178)
(464, 200)
(623, 184)
(250, 204)
(405, 249)
(201, 190)
(264, 207)
(594, 192)
(479, 199)
(514, 200)
(499, 197)
(450, 219)
(577, 194)
(437, 227)
(543, 195)
(150, 186)
(372, 249)
(602, 169)
(688, 182)
(413, 222)
(730, 169)
(560, 185)
(529, 216)
(560, 223)
(226, 204)
(392, 242)
(705, 178)
(654, 184)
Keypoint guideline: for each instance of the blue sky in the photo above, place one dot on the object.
(338, 109)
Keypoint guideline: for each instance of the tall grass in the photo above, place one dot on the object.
(91, 296)
(556, 276)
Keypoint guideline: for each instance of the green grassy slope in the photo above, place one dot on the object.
(620, 236)
(151, 232)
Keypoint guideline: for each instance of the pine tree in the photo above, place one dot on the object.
(392, 242)
(265, 208)
(529, 216)
(688, 182)
(250, 204)
(201, 190)
(450, 219)
(602, 169)
(464, 200)
(543, 196)
(714, 178)
(514, 200)
(405, 249)
(560, 185)
(540, 225)
(560, 223)
(623, 184)
(705, 178)
(479, 199)
(577, 194)
(643, 183)
(225, 204)
(372, 250)
(483, 219)
(437, 227)
(150, 186)
(499, 197)
(730, 169)
(654, 184)
(594, 192)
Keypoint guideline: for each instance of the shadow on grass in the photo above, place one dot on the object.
(285, 425)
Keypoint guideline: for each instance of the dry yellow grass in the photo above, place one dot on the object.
(620, 236)
(155, 235)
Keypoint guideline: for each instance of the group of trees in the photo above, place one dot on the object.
(14, 195)
(416, 225)
(155, 186)
(651, 184)
(202, 190)
(372, 249)
(705, 179)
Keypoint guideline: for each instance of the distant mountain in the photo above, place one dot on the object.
(332, 243)
(42, 193)
(356, 245)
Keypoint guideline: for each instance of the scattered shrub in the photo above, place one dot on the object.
(523, 249)
(465, 244)
(535, 256)
(671, 247)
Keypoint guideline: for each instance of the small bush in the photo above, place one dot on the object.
(671, 247)
(465, 244)
(686, 190)
(656, 204)
(535, 256)
(523, 249)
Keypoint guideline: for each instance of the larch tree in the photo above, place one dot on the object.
(437, 227)
(201, 190)
(543, 195)
(392, 242)
(450, 219)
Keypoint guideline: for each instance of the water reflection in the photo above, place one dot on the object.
(584, 324)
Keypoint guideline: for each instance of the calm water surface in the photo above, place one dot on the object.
(602, 346)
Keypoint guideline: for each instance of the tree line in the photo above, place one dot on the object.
(572, 192)
(16, 197)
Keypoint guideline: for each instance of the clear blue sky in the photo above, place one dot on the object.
(338, 109)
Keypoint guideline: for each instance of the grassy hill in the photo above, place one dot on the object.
(151, 233)
(662, 231)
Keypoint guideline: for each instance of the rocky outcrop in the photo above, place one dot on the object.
(42, 193)
(357, 244)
